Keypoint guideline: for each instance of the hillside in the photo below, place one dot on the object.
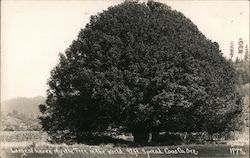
(21, 113)
(27, 106)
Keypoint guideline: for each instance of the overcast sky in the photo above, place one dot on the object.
(34, 32)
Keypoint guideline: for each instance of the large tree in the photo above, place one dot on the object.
(145, 67)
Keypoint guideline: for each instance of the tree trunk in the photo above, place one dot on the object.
(78, 136)
(155, 137)
(141, 137)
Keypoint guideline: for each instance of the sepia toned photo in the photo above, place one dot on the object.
(124, 79)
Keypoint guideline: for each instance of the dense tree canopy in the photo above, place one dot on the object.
(145, 67)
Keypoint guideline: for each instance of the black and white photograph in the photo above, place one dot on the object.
(124, 79)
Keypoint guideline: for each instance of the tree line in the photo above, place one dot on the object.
(242, 51)
(241, 62)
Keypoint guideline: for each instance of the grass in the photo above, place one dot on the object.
(41, 149)
(32, 144)
(22, 136)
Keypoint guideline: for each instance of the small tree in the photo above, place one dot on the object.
(231, 49)
(246, 57)
(240, 48)
(144, 67)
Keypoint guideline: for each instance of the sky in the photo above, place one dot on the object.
(34, 32)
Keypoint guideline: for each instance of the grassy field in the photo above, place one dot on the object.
(22, 136)
(32, 145)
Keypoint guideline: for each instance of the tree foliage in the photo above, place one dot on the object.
(145, 67)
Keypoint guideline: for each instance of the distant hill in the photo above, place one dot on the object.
(27, 106)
